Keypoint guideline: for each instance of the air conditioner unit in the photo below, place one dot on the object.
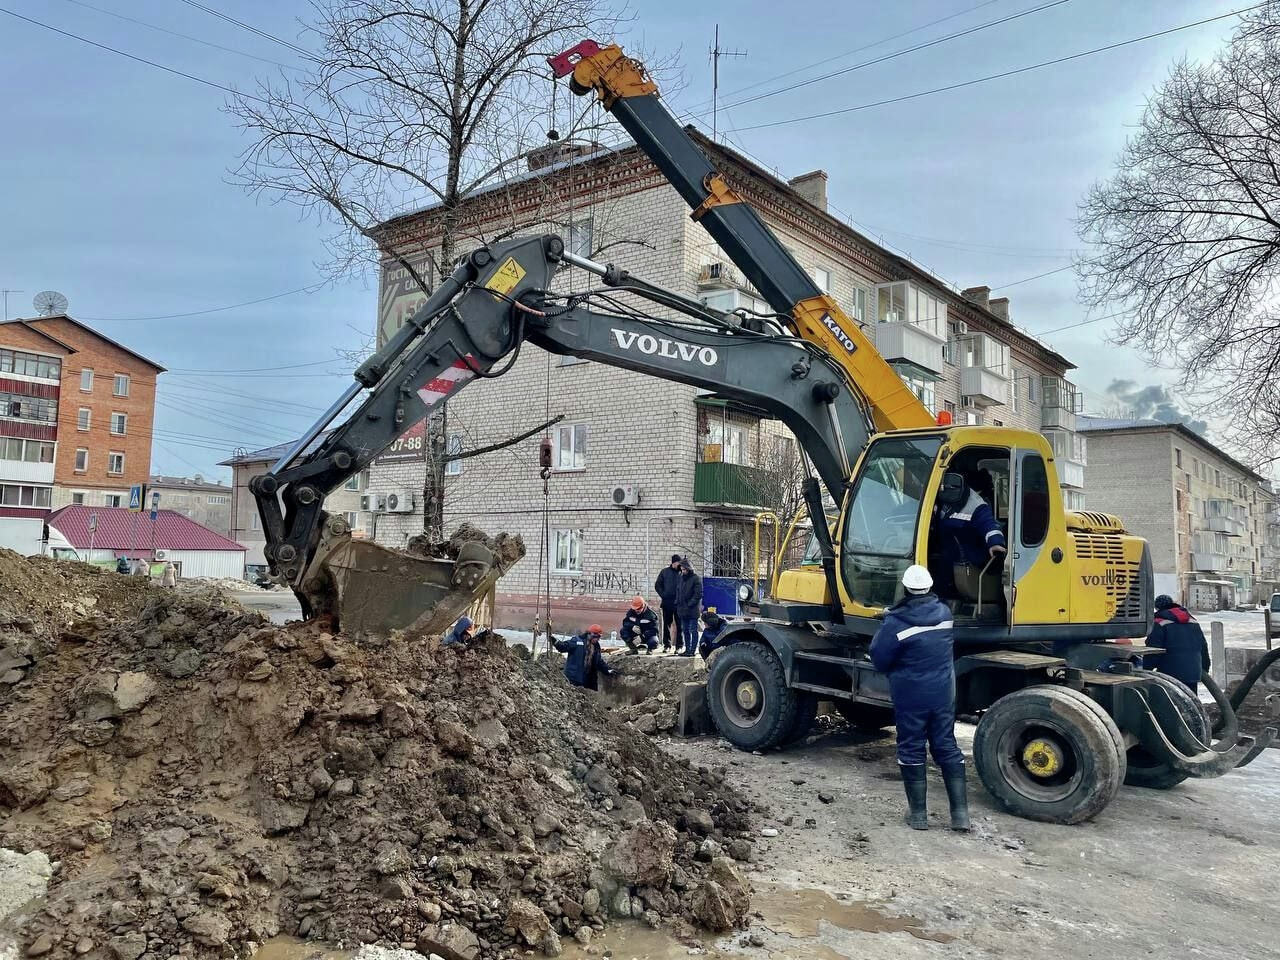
(373, 502)
(962, 328)
(399, 501)
(718, 273)
(625, 495)
(162, 554)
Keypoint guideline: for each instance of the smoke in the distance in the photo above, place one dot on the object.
(1152, 402)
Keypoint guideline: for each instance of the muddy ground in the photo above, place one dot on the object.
(1185, 872)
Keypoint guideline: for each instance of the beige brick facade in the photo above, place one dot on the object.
(639, 430)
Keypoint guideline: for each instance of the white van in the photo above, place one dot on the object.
(57, 546)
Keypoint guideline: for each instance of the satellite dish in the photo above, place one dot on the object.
(50, 303)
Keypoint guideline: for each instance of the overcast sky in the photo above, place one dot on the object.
(115, 187)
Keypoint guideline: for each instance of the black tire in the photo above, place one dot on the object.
(806, 713)
(748, 697)
(1049, 753)
(1144, 770)
(865, 717)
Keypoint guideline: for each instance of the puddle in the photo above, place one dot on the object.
(634, 942)
(291, 948)
(799, 913)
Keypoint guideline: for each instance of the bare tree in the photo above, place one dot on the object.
(1186, 233)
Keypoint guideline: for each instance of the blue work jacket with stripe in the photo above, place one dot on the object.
(914, 647)
(969, 533)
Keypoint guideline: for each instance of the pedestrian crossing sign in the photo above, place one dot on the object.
(136, 497)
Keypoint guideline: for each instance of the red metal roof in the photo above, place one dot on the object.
(123, 530)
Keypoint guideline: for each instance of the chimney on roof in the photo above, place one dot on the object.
(812, 186)
(1000, 307)
(979, 295)
(554, 153)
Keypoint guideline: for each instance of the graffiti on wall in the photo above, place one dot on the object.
(605, 583)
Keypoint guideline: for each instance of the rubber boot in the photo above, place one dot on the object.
(957, 795)
(916, 786)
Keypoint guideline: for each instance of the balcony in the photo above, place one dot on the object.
(730, 484)
(1060, 404)
(983, 386)
(906, 342)
(1210, 562)
(1070, 474)
(1228, 525)
(23, 471)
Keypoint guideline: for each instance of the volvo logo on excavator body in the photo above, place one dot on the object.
(647, 343)
(846, 341)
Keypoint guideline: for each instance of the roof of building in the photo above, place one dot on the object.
(28, 321)
(1087, 424)
(188, 483)
(904, 263)
(41, 333)
(271, 453)
(124, 530)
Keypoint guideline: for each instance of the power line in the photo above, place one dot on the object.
(899, 53)
(287, 366)
(1082, 323)
(1047, 273)
(310, 288)
(841, 56)
(252, 29)
(175, 33)
(130, 56)
(996, 76)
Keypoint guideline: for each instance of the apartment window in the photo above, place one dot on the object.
(731, 438)
(729, 300)
(822, 277)
(453, 447)
(22, 495)
(82, 459)
(951, 351)
(113, 500)
(121, 386)
(1015, 386)
(351, 519)
(118, 423)
(905, 302)
(1177, 458)
(78, 498)
(1033, 390)
(23, 407)
(1179, 498)
(83, 418)
(567, 553)
(569, 446)
(922, 387)
(1217, 479)
(29, 451)
(115, 462)
(218, 500)
(86, 380)
(950, 407)
(255, 521)
(353, 482)
(859, 305)
(580, 238)
(30, 365)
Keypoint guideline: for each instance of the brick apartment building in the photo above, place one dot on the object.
(76, 416)
(695, 463)
(245, 521)
(207, 503)
(1211, 521)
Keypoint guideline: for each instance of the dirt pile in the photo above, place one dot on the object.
(208, 780)
(506, 548)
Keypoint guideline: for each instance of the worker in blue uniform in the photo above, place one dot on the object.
(713, 625)
(914, 648)
(967, 529)
(585, 662)
(1186, 654)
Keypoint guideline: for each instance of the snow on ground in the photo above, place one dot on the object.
(1239, 628)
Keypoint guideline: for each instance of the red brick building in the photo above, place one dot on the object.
(77, 411)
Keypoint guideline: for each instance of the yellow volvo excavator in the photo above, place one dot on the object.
(1045, 646)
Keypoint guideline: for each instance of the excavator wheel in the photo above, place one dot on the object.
(748, 697)
(1049, 753)
(1144, 770)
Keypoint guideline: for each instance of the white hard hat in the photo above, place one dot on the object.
(917, 579)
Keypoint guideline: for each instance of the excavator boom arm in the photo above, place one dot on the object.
(627, 92)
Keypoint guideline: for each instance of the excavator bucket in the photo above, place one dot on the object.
(369, 588)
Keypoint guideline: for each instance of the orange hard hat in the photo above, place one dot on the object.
(637, 603)
(596, 629)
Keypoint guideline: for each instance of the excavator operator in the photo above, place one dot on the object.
(968, 533)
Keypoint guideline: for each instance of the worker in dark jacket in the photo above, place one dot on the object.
(585, 662)
(122, 566)
(968, 530)
(688, 608)
(640, 623)
(1176, 632)
(713, 625)
(914, 647)
(460, 634)
(666, 587)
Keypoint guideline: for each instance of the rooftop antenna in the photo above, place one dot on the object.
(716, 53)
(49, 303)
(5, 295)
